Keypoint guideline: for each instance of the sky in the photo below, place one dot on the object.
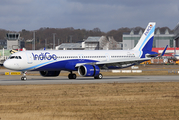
(106, 15)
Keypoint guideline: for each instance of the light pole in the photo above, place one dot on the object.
(71, 38)
(45, 43)
(34, 40)
(58, 41)
(54, 40)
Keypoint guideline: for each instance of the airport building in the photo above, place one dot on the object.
(160, 39)
(71, 46)
(93, 43)
(3, 44)
(176, 33)
(14, 41)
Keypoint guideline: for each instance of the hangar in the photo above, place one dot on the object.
(161, 38)
(93, 43)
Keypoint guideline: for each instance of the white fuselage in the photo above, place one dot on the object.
(58, 59)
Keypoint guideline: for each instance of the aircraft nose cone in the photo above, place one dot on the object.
(8, 64)
(5, 64)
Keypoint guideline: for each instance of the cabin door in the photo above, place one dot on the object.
(29, 58)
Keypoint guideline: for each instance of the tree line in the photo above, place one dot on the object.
(67, 35)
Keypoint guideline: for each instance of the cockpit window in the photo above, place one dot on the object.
(11, 57)
(15, 57)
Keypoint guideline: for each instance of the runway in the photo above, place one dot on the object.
(33, 80)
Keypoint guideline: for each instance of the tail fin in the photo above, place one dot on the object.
(146, 41)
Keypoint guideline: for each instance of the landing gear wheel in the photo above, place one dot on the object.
(72, 76)
(99, 76)
(23, 78)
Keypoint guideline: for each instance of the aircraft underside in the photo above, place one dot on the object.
(86, 70)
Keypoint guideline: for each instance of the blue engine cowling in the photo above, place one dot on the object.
(49, 73)
(88, 70)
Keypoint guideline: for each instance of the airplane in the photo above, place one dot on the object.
(87, 62)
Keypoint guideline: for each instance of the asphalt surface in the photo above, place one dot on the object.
(33, 80)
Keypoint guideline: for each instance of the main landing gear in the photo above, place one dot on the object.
(24, 78)
(72, 75)
(99, 76)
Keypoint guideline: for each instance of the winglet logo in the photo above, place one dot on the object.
(148, 30)
(44, 56)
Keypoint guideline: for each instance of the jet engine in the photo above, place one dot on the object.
(49, 73)
(88, 70)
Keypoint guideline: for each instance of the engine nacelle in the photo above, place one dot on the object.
(88, 70)
(49, 73)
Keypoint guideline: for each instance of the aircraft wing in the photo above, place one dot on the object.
(116, 62)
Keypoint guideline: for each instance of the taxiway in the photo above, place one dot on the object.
(32, 80)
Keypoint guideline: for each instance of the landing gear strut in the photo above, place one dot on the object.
(72, 75)
(99, 76)
(24, 78)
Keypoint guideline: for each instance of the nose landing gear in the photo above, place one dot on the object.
(24, 78)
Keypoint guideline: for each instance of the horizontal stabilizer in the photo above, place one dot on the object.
(164, 51)
(154, 55)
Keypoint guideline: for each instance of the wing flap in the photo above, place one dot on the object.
(124, 61)
(115, 62)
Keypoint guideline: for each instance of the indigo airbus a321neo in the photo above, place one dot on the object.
(86, 62)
